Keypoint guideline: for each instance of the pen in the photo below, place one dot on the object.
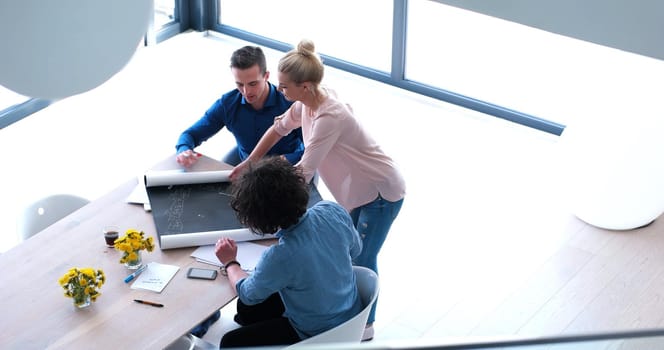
(136, 273)
(151, 303)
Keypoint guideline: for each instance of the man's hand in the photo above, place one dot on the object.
(225, 250)
(187, 158)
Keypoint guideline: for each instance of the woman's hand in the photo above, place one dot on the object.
(239, 169)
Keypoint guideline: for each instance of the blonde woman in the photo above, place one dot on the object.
(360, 176)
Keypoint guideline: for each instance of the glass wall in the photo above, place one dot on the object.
(368, 38)
(519, 73)
(14, 106)
(10, 98)
(529, 76)
(164, 12)
(362, 35)
(540, 73)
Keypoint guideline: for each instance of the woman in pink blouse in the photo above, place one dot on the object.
(360, 176)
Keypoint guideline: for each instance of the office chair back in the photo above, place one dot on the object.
(185, 342)
(351, 331)
(46, 211)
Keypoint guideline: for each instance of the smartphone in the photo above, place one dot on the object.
(205, 274)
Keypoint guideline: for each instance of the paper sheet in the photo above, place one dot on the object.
(248, 254)
(155, 277)
(139, 195)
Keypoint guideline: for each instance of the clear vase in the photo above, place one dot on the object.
(81, 304)
(136, 263)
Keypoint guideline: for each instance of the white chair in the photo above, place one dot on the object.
(350, 331)
(191, 342)
(185, 342)
(46, 211)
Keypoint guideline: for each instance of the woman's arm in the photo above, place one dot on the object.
(269, 139)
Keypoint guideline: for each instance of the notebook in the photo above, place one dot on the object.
(155, 277)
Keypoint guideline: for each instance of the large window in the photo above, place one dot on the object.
(353, 31)
(14, 106)
(519, 73)
(530, 70)
(9, 98)
(368, 38)
(164, 12)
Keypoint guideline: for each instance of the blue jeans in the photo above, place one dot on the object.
(373, 221)
(204, 326)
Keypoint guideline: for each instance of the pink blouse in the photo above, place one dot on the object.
(350, 162)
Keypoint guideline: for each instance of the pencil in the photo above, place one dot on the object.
(151, 303)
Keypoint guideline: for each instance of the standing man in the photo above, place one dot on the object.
(247, 112)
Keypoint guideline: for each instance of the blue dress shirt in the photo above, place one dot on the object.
(246, 124)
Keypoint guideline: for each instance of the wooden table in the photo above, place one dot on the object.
(36, 314)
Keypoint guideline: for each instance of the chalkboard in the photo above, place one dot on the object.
(198, 208)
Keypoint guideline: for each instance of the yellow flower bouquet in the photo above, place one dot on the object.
(131, 244)
(82, 284)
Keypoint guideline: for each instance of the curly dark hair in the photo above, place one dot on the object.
(271, 195)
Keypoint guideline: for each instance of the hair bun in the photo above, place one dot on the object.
(306, 47)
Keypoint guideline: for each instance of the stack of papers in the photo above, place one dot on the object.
(155, 277)
(248, 254)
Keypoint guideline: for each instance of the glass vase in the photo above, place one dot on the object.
(83, 303)
(136, 263)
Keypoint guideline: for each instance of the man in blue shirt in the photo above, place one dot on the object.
(247, 112)
(303, 285)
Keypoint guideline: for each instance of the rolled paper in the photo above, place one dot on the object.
(170, 177)
(193, 239)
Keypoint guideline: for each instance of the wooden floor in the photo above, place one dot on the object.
(485, 245)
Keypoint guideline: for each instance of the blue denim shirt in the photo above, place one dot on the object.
(311, 268)
(246, 124)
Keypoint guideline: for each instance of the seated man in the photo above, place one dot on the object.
(303, 285)
(247, 112)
